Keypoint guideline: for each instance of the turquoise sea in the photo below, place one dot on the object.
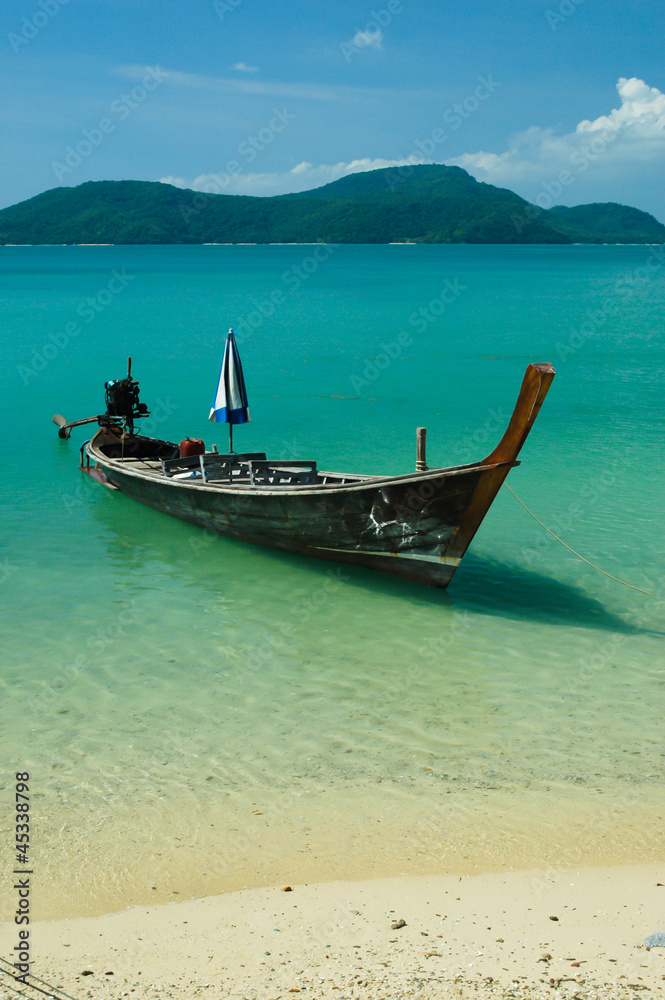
(178, 744)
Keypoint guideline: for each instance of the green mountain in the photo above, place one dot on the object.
(423, 204)
(600, 222)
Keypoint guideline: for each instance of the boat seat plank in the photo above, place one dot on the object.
(225, 472)
(206, 460)
(274, 473)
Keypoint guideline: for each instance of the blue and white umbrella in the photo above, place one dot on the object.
(230, 404)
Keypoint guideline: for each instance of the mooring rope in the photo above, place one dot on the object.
(571, 549)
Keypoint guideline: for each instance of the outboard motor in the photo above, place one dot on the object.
(122, 400)
(123, 407)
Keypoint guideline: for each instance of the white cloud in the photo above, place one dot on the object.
(233, 85)
(242, 67)
(615, 157)
(633, 132)
(306, 90)
(303, 177)
(312, 176)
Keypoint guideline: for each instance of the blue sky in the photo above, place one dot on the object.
(559, 100)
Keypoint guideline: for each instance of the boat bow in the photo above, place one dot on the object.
(535, 386)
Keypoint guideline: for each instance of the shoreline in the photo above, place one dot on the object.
(477, 935)
(255, 839)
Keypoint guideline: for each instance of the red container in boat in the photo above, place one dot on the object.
(191, 446)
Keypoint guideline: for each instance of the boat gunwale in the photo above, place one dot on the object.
(367, 482)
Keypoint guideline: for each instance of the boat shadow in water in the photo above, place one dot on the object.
(514, 591)
(489, 587)
(137, 536)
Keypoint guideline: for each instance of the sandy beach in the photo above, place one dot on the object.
(576, 933)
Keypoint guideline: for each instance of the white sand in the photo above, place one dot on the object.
(481, 935)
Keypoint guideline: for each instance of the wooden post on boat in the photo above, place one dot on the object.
(421, 448)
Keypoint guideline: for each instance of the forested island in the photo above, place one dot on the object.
(412, 204)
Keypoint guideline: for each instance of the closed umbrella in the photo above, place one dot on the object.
(230, 404)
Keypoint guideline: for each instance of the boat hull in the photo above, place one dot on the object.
(405, 526)
(416, 526)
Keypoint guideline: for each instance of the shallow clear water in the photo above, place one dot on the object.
(180, 740)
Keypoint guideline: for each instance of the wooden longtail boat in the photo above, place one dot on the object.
(416, 526)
